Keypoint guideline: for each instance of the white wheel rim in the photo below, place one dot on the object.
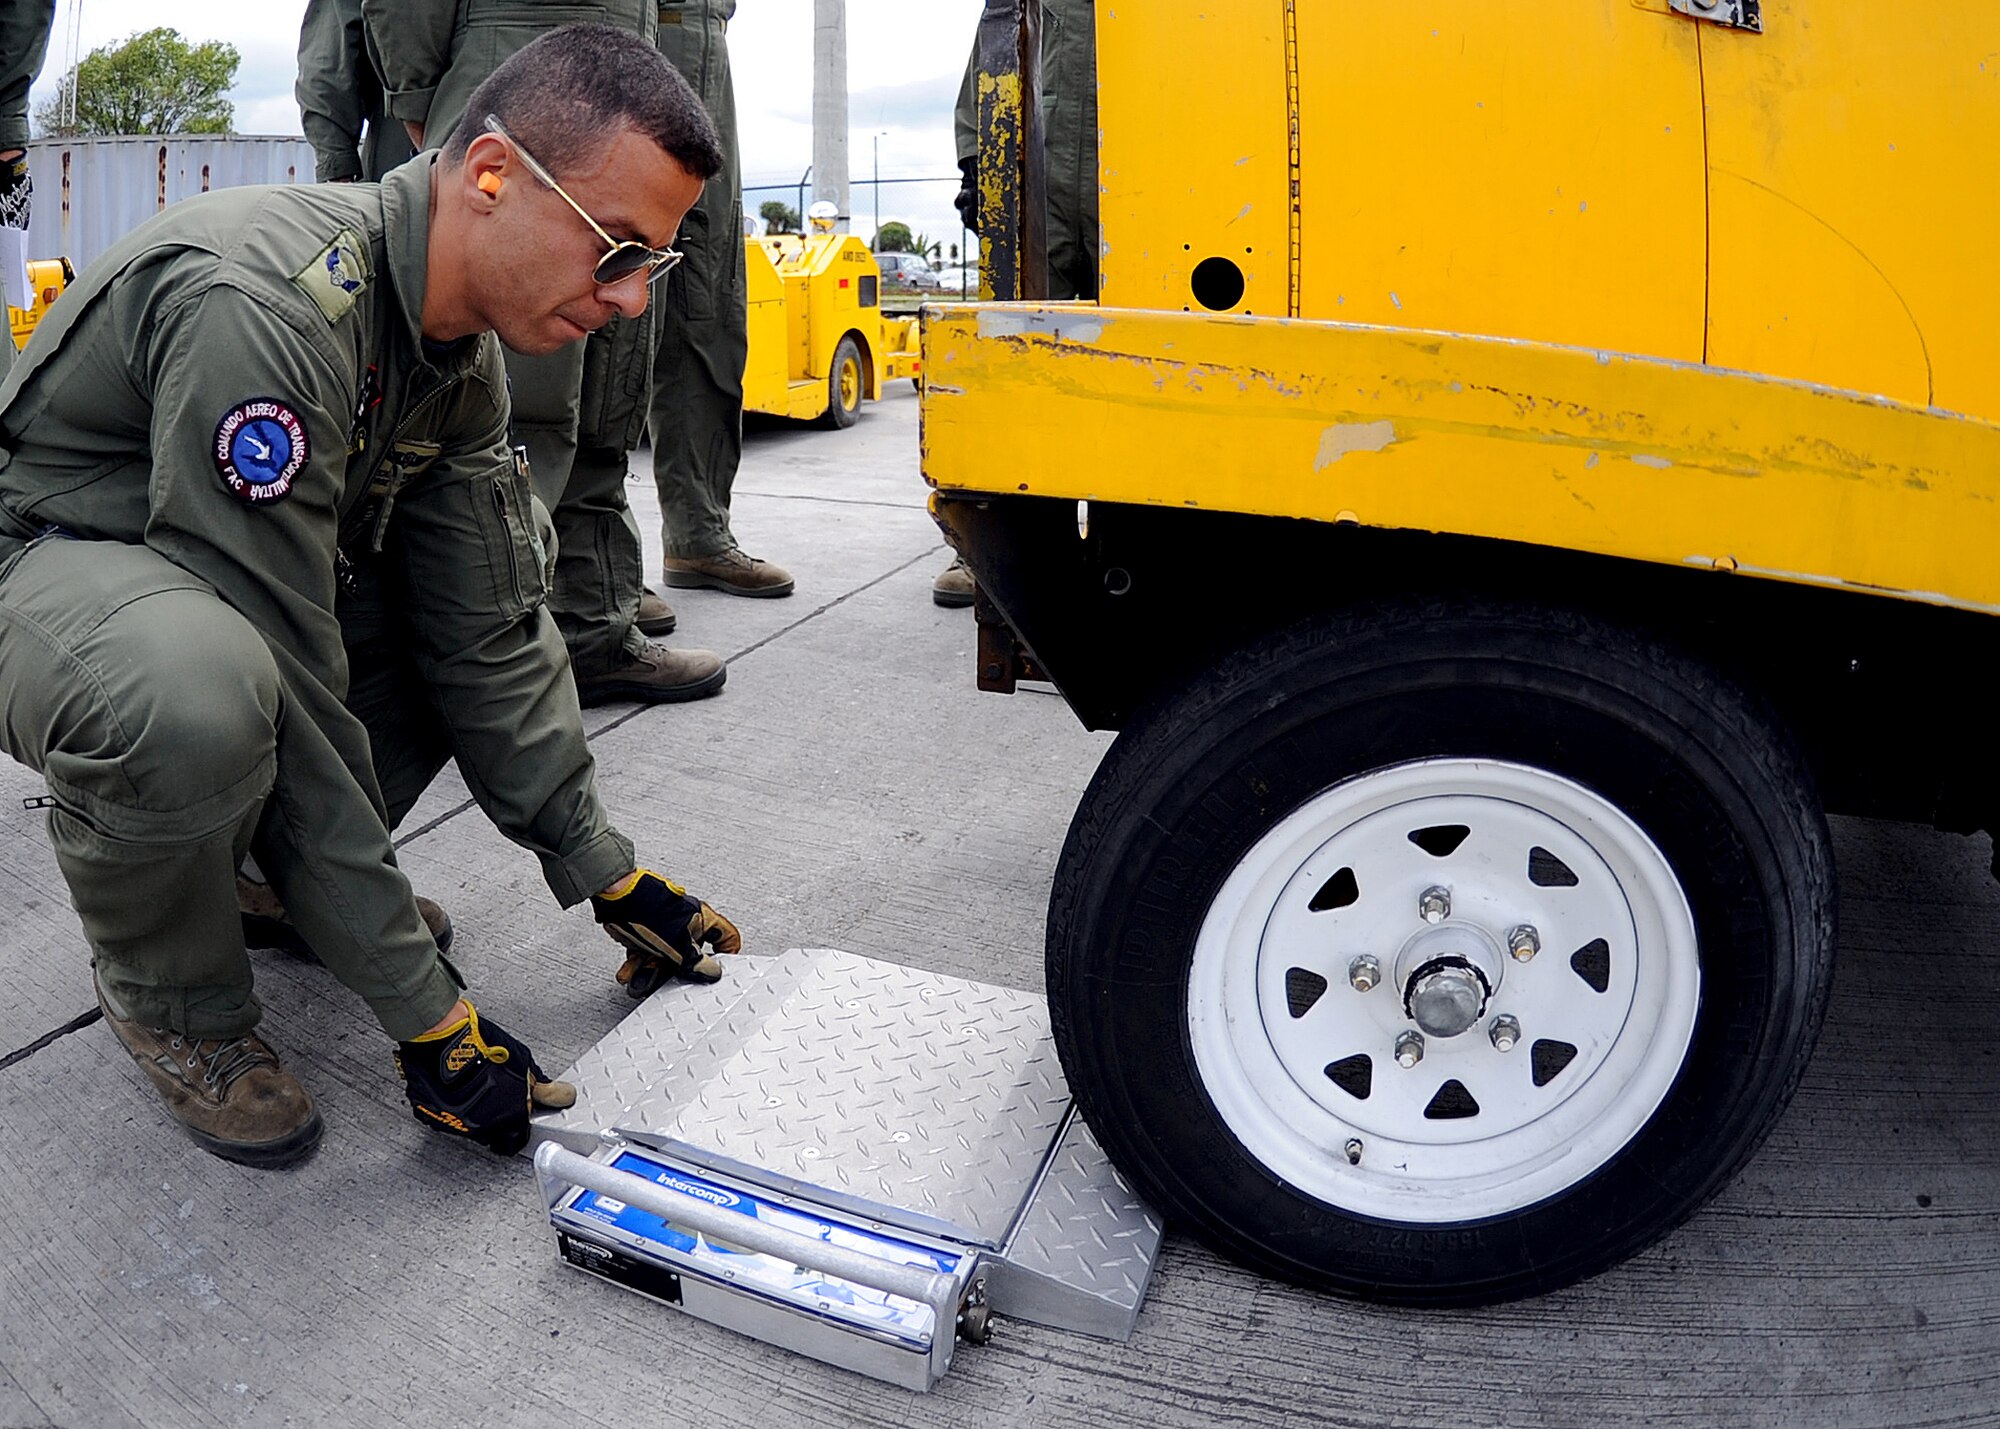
(1422, 1157)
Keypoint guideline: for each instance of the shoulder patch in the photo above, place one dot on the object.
(336, 275)
(260, 445)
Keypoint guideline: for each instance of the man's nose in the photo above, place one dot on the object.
(627, 295)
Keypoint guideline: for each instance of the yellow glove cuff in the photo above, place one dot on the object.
(631, 881)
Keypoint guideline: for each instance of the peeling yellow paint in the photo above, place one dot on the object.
(1344, 437)
(1485, 437)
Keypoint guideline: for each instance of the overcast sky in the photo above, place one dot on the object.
(904, 59)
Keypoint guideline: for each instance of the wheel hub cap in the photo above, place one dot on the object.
(1446, 998)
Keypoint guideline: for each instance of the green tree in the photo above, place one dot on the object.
(778, 216)
(894, 237)
(152, 83)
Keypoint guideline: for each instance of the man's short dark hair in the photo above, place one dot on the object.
(562, 95)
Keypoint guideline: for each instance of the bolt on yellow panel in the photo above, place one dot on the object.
(1854, 151)
(1195, 156)
(1522, 171)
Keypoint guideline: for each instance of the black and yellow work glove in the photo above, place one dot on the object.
(474, 1080)
(17, 191)
(667, 932)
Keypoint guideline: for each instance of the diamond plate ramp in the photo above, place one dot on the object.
(896, 1096)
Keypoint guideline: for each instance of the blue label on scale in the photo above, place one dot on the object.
(808, 1289)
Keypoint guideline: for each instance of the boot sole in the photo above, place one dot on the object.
(695, 580)
(280, 936)
(604, 692)
(288, 1149)
(951, 600)
(658, 627)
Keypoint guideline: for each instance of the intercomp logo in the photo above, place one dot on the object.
(714, 1195)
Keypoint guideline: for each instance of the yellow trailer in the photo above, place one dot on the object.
(819, 342)
(47, 277)
(1518, 478)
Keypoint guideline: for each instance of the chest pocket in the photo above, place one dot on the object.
(405, 462)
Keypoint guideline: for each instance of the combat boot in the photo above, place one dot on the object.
(656, 617)
(229, 1092)
(267, 925)
(731, 571)
(954, 587)
(655, 675)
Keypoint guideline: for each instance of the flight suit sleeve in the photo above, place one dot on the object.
(249, 461)
(249, 429)
(469, 565)
(413, 39)
(328, 88)
(965, 114)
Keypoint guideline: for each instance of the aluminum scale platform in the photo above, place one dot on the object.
(879, 1103)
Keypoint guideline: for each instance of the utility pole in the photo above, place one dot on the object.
(829, 166)
(877, 186)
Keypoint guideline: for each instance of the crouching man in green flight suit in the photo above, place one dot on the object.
(266, 561)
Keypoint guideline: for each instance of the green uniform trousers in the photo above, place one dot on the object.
(159, 718)
(1069, 141)
(599, 568)
(702, 325)
(24, 41)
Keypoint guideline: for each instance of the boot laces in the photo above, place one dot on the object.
(221, 1060)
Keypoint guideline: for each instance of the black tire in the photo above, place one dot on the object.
(1701, 768)
(844, 386)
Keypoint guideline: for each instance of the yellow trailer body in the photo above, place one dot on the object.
(819, 342)
(1525, 468)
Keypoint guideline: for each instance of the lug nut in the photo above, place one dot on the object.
(1523, 943)
(1434, 906)
(1409, 1048)
(1353, 1149)
(1364, 972)
(1505, 1032)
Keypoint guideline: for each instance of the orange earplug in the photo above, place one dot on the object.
(489, 183)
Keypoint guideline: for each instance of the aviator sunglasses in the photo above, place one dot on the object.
(626, 256)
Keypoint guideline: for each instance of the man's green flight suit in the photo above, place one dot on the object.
(703, 321)
(340, 97)
(228, 431)
(433, 54)
(1069, 137)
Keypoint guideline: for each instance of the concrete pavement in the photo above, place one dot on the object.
(851, 789)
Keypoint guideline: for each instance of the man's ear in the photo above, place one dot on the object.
(486, 162)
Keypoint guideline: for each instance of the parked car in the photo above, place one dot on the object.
(906, 272)
(960, 280)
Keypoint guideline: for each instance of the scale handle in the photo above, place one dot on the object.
(930, 1287)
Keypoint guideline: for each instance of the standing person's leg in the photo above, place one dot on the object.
(153, 710)
(696, 411)
(599, 570)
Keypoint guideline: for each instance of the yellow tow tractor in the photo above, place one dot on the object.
(819, 342)
(47, 277)
(1517, 480)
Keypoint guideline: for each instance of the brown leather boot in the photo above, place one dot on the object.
(656, 617)
(229, 1092)
(954, 587)
(266, 925)
(657, 676)
(731, 571)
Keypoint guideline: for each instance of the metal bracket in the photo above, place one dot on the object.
(1732, 14)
